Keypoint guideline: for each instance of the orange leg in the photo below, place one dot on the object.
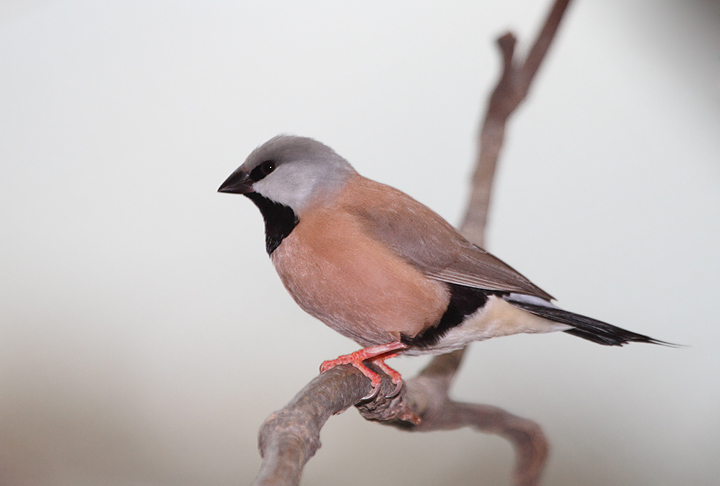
(393, 374)
(374, 354)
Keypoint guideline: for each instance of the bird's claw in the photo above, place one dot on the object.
(396, 391)
(372, 394)
(376, 390)
(377, 355)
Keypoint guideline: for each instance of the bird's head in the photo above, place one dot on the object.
(293, 171)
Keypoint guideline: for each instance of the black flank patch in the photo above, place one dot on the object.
(463, 302)
(279, 219)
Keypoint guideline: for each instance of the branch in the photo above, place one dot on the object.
(291, 436)
(512, 88)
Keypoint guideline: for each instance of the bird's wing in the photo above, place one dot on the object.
(474, 267)
(423, 238)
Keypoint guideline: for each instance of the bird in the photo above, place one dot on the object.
(384, 270)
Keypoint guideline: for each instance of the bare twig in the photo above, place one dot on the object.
(289, 437)
(511, 90)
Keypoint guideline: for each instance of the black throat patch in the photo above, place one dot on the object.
(279, 219)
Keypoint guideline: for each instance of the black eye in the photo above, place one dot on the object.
(262, 170)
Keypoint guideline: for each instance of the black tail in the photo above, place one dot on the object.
(587, 328)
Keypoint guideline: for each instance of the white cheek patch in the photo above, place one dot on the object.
(286, 186)
(296, 184)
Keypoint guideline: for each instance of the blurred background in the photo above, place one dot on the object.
(144, 335)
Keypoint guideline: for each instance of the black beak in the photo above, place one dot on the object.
(239, 182)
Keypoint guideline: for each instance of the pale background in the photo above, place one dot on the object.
(144, 335)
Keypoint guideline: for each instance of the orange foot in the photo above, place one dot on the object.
(376, 355)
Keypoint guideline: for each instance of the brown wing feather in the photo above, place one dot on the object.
(477, 268)
(423, 238)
